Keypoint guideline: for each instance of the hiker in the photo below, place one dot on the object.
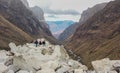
(43, 43)
(36, 42)
(40, 43)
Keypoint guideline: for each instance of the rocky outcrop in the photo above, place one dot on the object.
(48, 58)
(68, 32)
(106, 66)
(99, 36)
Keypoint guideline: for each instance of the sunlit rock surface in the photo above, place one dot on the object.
(106, 66)
(48, 58)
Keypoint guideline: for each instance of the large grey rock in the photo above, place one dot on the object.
(106, 65)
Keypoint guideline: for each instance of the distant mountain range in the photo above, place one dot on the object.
(57, 27)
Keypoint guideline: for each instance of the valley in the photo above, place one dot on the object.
(91, 45)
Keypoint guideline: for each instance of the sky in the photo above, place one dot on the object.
(56, 10)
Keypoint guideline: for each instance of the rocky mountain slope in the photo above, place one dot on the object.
(91, 11)
(49, 58)
(10, 33)
(17, 14)
(84, 17)
(25, 2)
(38, 12)
(68, 32)
(99, 36)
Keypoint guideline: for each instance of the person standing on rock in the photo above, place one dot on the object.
(40, 43)
(43, 43)
(36, 43)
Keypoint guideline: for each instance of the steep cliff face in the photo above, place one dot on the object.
(38, 12)
(17, 13)
(84, 17)
(10, 33)
(99, 36)
(25, 2)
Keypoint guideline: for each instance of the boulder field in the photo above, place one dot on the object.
(49, 58)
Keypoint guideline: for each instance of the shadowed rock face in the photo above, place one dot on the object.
(38, 12)
(84, 17)
(99, 36)
(25, 2)
(16, 13)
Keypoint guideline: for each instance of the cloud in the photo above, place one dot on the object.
(78, 5)
(71, 8)
(52, 16)
(49, 17)
(61, 12)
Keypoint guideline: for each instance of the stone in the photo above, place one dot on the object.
(23, 71)
(106, 65)
(47, 70)
(3, 68)
(10, 71)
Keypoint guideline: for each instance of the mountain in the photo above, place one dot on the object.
(68, 32)
(84, 16)
(99, 36)
(10, 33)
(57, 27)
(91, 11)
(25, 2)
(15, 12)
(38, 12)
